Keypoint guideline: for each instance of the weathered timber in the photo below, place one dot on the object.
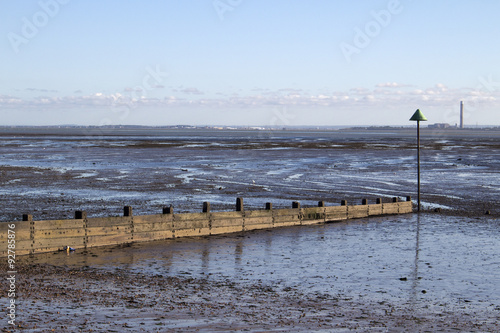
(32, 236)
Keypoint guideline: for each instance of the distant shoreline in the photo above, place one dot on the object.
(133, 130)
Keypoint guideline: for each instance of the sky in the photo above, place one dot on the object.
(248, 62)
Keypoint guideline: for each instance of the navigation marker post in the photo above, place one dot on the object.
(418, 116)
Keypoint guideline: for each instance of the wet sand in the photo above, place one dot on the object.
(302, 279)
(51, 177)
(59, 299)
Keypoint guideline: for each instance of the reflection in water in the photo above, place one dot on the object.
(166, 261)
(288, 165)
(238, 254)
(376, 258)
(205, 257)
(415, 277)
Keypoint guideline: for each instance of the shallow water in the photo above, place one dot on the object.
(432, 265)
(420, 261)
(52, 176)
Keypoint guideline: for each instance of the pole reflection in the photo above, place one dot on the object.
(415, 277)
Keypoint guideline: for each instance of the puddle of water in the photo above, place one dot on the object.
(423, 260)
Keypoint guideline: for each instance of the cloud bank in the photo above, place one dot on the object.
(388, 95)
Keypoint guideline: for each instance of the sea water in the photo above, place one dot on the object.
(422, 260)
(50, 175)
(415, 260)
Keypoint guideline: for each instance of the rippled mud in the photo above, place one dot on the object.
(430, 272)
(52, 176)
(390, 274)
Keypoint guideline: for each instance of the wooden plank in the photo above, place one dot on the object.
(152, 235)
(223, 223)
(59, 233)
(109, 221)
(313, 215)
(195, 224)
(257, 226)
(109, 231)
(287, 220)
(264, 220)
(51, 235)
(390, 208)
(22, 231)
(227, 219)
(226, 229)
(158, 218)
(101, 240)
(335, 213)
(258, 213)
(405, 207)
(287, 217)
(192, 232)
(58, 224)
(22, 247)
(53, 244)
(226, 215)
(312, 222)
(191, 217)
(375, 209)
(355, 212)
(151, 227)
(286, 212)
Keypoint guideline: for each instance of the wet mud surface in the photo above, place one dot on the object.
(433, 273)
(58, 299)
(383, 274)
(52, 176)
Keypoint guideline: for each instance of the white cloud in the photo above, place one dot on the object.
(128, 89)
(42, 90)
(393, 85)
(189, 91)
(383, 96)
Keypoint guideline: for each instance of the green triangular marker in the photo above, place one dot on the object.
(418, 116)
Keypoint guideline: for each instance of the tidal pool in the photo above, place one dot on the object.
(421, 261)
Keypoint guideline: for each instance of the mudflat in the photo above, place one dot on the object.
(51, 176)
(60, 299)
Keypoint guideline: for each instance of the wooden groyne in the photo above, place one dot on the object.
(31, 237)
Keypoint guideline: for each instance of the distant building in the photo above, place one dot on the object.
(439, 125)
(461, 114)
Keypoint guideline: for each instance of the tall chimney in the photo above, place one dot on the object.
(461, 114)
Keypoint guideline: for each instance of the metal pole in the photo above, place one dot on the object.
(418, 116)
(418, 162)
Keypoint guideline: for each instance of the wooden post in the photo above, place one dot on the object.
(206, 207)
(168, 210)
(239, 204)
(80, 215)
(127, 211)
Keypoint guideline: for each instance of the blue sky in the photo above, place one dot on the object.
(242, 62)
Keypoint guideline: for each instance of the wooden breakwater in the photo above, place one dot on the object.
(84, 232)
